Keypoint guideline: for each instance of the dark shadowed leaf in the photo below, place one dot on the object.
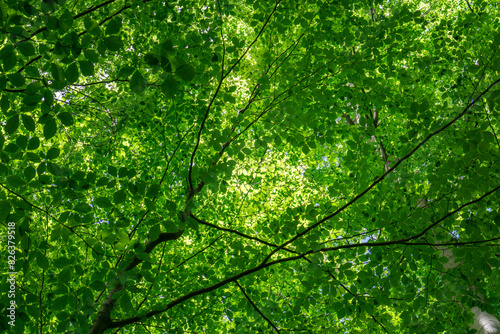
(137, 83)
(26, 49)
(66, 118)
(86, 67)
(169, 87)
(72, 73)
(12, 124)
(114, 26)
(50, 128)
(113, 43)
(119, 196)
(53, 153)
(92, 26)
(16, 79)
(103, 202)
(186, 72)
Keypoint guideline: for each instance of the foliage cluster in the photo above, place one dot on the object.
(245, 166)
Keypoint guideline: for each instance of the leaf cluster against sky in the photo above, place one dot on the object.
(250, 166)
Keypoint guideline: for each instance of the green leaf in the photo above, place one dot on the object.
(64, 217)
(167, 48)
(111, 184)
(16, 79)
(66, 20)
(103, 202)
(113, 43)
(32, 71)
(169, 87)
(32, 100)
(26, 48)
(5, 103)
(12, 124)
(33, 88)
(186, 72)
(9, 62)
(119, 196)
(153, 190)
(495, 95)
(15, 181)
(33, 143)
(131, 173)
(4, 210)
(6, 51)
(72, 73)
(48, 97)
(83, 208)
(66, 118)
(57, 72)
(125, 72)
(154, 232)
(150, 204)
(151, 59)
(42, 261)
(86, 67)
(113, 171)
(53, 153)
(41, 168)
(97, 285)
(113, 27)
(144, 256)
(54, 169)
(3, 82)
(11, 148)
(137, 83)
(22, 141)
(102, 181)
(50, 129)
(51, 22)
(122, 172)
(91, 56)
(91, 26)
(29, 173)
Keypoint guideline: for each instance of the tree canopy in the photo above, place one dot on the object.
(245, 166)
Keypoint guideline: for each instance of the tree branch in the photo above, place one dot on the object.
(383, 176)
(255, 307)
(238, 233)
(264, 265)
